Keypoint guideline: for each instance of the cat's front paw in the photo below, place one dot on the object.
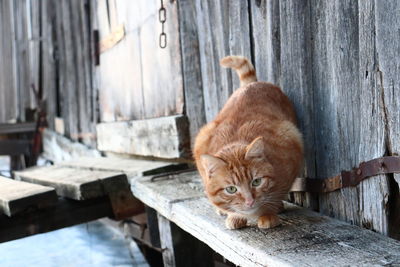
(220, 212)
(268, 221)
(234, 222)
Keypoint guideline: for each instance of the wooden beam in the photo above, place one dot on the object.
(78, 184)
(303, 237)
(16, 196)
(180, 249)
(66, 213)
(165, 137)
(131, 167)
(192, 84)
(15, 147)
(12, 128)
(58, 148)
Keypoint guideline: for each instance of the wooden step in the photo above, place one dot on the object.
(78, 184)
(305, 238)
(16, 196)
(131, 167)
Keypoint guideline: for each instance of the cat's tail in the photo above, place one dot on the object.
(243, 67)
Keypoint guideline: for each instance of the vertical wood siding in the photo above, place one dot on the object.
(48, 44)
(338, 62)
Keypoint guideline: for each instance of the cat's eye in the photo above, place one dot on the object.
(256, 182)
(231, 189)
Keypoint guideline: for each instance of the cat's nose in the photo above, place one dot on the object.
(249, 202)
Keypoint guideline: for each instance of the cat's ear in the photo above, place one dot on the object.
(211, 163)
(256, 149)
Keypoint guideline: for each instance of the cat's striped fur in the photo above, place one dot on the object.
(244, 69)
(253, 148)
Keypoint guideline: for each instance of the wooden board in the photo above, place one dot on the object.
(305, 238)
(11, 128)
(131, 167)
(388, 82)
(8, 96)
(78, 184)
(192, 82)
(266, 45)
(163, 192)
(66, 213)
(223, 29)
(296, 80)
(165, 137)
(16, 196)
(15, 147)
(58, 148)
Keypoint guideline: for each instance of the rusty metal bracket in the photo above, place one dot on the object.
(170, 175)
(383, 165)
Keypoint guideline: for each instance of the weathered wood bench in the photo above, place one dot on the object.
(52, 197)
(305, 238)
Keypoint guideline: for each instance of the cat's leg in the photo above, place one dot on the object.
(235, 222)
(220, 212)
(268, 221)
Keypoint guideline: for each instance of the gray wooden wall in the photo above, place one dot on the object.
(47, 43)
(339, 63)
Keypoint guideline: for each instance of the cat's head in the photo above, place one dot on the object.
(240, 179)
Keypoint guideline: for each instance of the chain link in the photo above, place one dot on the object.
(162, 17)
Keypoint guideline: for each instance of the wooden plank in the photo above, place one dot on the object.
(303, 237)
(131, 167)
(296, 80)
(194, 103)
(34, 14)
(214, 18)
(372, 201)
(266, 43)
(16, 196)
(180, 248)
(165, 137)
(9, 94)
(12, 128)
(66, 213)
(48, 61)
(69, 68)
(78, 184)
(15, 147)
(388, 77)
(165, 191)
(58, 148)
(168, 253)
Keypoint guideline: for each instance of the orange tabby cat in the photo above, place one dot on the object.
(250, 154)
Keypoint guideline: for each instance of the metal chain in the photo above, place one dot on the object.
(162, 17)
